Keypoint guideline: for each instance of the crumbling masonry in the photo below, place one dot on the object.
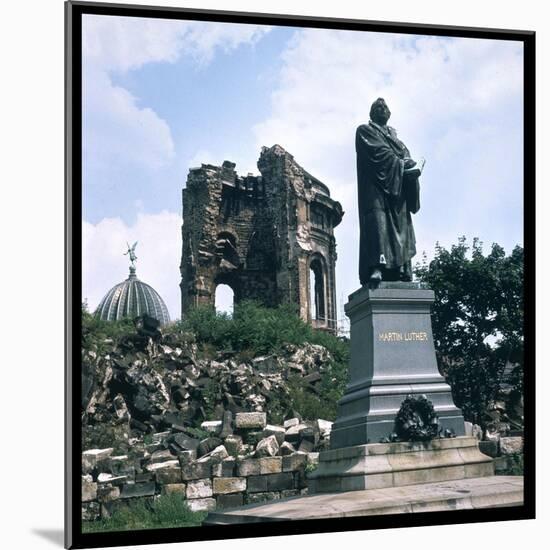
(262, 236)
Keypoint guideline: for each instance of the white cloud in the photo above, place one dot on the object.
(117, 129)
(125, 43)
(158, 251)
(450, 100)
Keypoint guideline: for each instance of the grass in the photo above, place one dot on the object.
(164, 512)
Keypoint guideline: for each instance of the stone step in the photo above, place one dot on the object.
(381, 465)
(463, 494)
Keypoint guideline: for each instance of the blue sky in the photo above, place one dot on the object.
(162, 96)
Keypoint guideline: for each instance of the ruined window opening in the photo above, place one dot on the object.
(317, 291)
(224, 299)
(226, 248)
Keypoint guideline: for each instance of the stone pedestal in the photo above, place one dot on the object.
(392, 356)
(381, 465)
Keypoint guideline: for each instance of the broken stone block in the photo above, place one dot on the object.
(277, 431)
(111, 479)
(288, 493)
(121, 409)
(313, 459)
(174, 488)
(294, 462)
(256, 484)
(157, 466)
(135, 490)
(251, 420)
(218, 454)
(286, 449)
(225, 468)
(151, 448)
(196, 470)
(185, 442)
(255, 498)
(227, 424)
(89, 490)
(201, 504)
(279, 482)
(107, 493)
(168, 476)
(248, 467)
(122, 466)
(226, 485)
(311, 434)
(489, 448)
(199, 488)
(325, 427)
(511, 445)
(91, 458)
(143, 476)
(187, 456)
(213, 427)
(271, 465)
(290, 423)
(477, 432)
(207, 445)
(293, 434)
(160, 437)
(233, 444)
(229, 501)
(252, 438)
(90, 511)
(267, 447)
(306, 446)
(161, 456)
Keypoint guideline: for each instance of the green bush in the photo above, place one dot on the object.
(97, 334)
(165, 511)
(255, 330)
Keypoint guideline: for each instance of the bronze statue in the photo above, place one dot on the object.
(131, 253)
(388, 193)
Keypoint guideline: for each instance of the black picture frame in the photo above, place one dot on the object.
(74, 538)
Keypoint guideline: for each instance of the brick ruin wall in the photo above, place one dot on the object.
(221, 471)
(261, 236)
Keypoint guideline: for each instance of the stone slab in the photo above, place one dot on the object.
(485, 492)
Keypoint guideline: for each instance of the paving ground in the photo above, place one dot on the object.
(485, 492)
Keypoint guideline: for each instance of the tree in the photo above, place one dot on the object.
(477, 319)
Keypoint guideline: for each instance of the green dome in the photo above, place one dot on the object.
(131, 298)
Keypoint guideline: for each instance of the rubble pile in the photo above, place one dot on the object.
(150, 382)
(241, 460)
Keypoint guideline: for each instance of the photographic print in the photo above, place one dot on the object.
(297, 284)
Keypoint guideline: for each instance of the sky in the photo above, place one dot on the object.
(162, 96)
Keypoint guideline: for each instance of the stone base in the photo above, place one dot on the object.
(464, 494)
(392, 356)
(380, 465)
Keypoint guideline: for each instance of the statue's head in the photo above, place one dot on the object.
(379, 112)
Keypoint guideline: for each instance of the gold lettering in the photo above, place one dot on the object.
(392, 336)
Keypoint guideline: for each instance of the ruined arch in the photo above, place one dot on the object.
(318, 298)
(224, 298)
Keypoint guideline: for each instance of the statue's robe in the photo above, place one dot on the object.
(386, 201)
